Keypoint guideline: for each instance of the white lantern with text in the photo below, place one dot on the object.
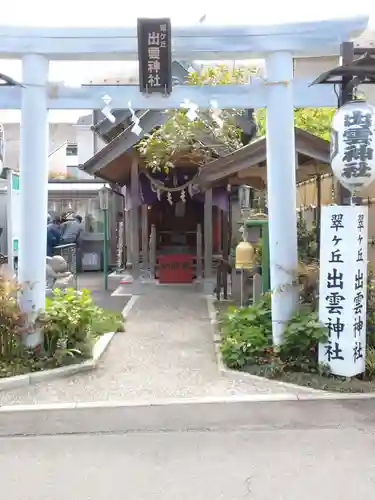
(352, 145)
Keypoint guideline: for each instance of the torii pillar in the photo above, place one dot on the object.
(33, 189)
(281, 190)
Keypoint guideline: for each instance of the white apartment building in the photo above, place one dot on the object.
(69, 145)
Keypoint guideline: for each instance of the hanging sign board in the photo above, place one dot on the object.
(342, 288)
(352, 145)
(155, 55)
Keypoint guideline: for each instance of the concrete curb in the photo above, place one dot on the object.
(203, 401)
(64, 371)
(99, 349)
(312, 394)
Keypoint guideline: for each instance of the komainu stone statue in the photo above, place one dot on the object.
(57, 274)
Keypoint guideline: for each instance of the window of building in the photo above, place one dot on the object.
(71, 149)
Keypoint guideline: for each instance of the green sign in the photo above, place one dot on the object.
(15, 182)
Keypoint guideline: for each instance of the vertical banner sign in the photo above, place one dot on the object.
(343, 288)
(155, 55)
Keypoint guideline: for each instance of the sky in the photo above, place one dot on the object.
(75, 13)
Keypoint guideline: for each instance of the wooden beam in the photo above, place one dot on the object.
(207, 176)
(254, 182)
(134, 213)
(145, 238)
(199, 252)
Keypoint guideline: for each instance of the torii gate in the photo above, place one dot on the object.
(279, 92)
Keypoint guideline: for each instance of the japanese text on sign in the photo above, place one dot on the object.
(358, 148)
(342, 290)
(154, 40)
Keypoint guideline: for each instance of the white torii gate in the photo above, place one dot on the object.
(279, 92)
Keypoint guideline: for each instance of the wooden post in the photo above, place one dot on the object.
(124, 249)
(208, 234)
(199, 252)
(127, 244)
(129, 239)
(230, 221)
(145, 236)
(153, 251)
(257, 288)
(134, 188)
(343, 195)
(225, 235)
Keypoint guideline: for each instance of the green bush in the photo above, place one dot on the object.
(370, 362)
(247, 340)
(247, 333)
(301, 338)
(66, 324)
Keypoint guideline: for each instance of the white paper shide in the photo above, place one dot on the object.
(343, 288)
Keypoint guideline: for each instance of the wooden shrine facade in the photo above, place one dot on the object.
(181, 247)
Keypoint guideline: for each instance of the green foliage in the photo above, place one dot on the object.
(247, 340)
(306, 241)
(107, 321)
(181, 136)
(370, 362)
(12, 320)
(301, 338)
(70, 324)
(315, 120)
(66, 324)
(247, 332)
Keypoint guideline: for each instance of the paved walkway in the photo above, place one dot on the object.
(166, 352)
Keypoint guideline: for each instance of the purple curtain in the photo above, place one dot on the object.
(178, 177)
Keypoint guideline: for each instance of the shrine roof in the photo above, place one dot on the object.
(247, 165)
(113, 162)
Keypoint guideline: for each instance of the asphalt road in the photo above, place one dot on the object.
(325, 452)
(261, 465)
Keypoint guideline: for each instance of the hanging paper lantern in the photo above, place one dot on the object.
(352, 144)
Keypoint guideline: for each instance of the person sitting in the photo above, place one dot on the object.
(53, 235)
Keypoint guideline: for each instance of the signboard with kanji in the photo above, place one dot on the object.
(155, 55)
(342, 288)
(352, 145)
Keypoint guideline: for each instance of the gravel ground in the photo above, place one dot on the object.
(166, 352)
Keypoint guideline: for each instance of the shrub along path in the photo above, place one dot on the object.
(166, 352)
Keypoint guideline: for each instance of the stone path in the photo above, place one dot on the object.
(166, 352)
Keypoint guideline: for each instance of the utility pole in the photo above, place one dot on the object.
(343, 195)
